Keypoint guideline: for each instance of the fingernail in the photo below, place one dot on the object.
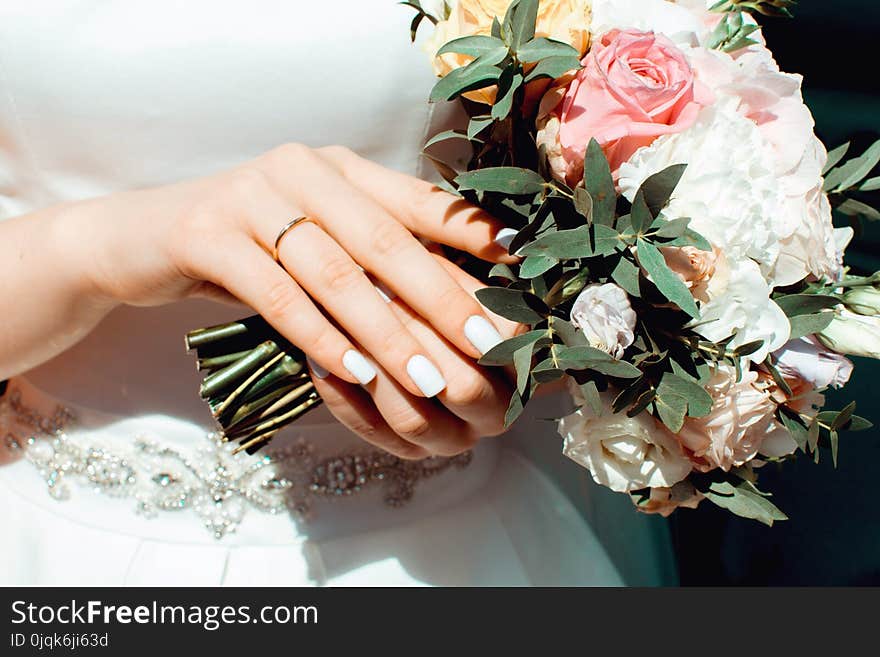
(317, 370)
(505, 236)
(386, 294)
(481, 333)
(358, 366)
(425, 375)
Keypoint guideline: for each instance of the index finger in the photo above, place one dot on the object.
(425, 209)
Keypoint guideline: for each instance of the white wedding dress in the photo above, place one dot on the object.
(109, 474)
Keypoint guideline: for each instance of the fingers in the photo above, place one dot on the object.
(426, 209)
(249, 273)
(336, 282)
(354, 408)
(478, 395)
(389, 251)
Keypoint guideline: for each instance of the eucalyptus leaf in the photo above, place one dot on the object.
(477, 124)
(534, 266)
(802, 325)
(853, 208)
(583, 203)
(553, 67)
(870, 185)
(541, 48)
(672, 410)
(446, 135)
(515, 305)
(671, 229)
(640, 216)
(805, 304)
(523, 14)
(599, 183)
(508, 84)
(502, 353)
(591, 396)
(834, 157)
(626, 275)
(669, 284)
(854, 170)
(658, 188)
(691, 238)
(505, 180)
(744, 502)
(589, 358)
(461, 80)
(584, 242)
(473, 46)
(698, 401)
(522, 363)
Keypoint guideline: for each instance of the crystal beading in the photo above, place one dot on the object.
(219, 486)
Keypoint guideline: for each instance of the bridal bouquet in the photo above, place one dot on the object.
(672, 211)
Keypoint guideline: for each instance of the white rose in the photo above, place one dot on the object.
(732, 433)
(605, 316)
(623, 453)
(806, 359)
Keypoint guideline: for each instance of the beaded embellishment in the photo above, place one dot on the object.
(221, 487)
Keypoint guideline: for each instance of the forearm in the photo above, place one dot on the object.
(48, 300)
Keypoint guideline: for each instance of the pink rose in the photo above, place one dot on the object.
(634, 87)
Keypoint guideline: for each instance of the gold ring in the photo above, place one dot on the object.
(284, 231)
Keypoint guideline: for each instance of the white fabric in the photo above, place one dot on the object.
(100, 96)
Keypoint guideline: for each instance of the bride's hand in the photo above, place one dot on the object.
(214, 237)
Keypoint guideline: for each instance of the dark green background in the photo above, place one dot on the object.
(833, 535)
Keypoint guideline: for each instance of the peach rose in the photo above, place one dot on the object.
(733, 431)
(664, 501)
(634, 87)
(694, 266)
(563, 20)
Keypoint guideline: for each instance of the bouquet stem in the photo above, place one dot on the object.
(256, 382)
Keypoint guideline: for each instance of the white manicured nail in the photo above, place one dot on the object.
(505, 236)
(359, 366)
(481, 333)
(425, 375)
(317, 370)
(386, 294)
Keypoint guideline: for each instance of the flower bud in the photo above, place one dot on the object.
(863, 300)
(849, 333)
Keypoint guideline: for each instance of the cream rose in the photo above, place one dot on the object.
(664, 501)
(733, 431)
(564, 20)
(605, 316)
(694, 266)
(623, 453)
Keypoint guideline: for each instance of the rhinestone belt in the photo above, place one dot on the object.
(219, 486)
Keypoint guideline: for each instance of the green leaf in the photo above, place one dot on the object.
(477, 124)
(669, 284)
(583, 203)
(508, 84)
(584, 242)
(502, 271)
(446, 172)
(796, 428)
(853, 208)
(671, 410)
(743, 502)
(809, 324)
(591, 396)
(534, 266)
(571, 283)
(834, 157)
(805, 304)
(514, 409)
(541, 48)
(599, 183)
(870, 185)
(671, 229)
(626, 275)
(461, 80)
(523, 14)
(547, 371)
(640, 216)
(553, 67)
(515, 305)
(571, 336)
(854, 170)
(505, 180)
(691, 238)
(522, 363)
(658, 189)
(473, 46)
(445, 136)
(502, 353)
(699, 402)
(589, 358)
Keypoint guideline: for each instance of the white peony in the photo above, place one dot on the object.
(740, 304)
(682, 25)
(605, 316)
(623, 453)
(729, 189)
